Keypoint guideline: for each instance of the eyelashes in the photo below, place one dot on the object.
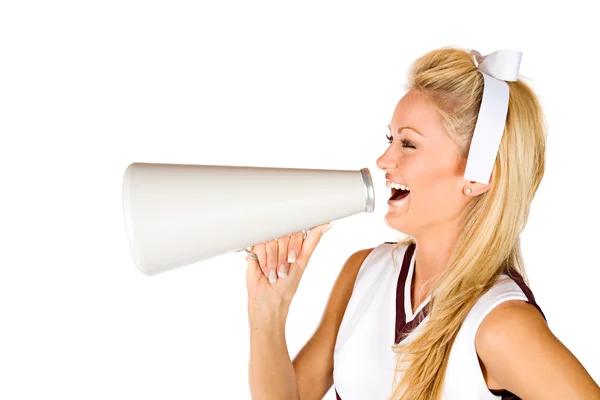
(405, 143)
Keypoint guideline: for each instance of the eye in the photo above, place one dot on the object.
(405, 143)
(408, 144)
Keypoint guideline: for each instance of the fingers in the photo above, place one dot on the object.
(272, 249)
(267, 256)
(310, 243)
(261, 253)
(282, 263)
(295, 246)
(275, 257)
(253, 272)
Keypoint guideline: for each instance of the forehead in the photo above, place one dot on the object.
(416, 111)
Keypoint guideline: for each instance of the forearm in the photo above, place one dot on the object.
(271, 372)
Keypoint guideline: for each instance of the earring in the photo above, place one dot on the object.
(468, 190)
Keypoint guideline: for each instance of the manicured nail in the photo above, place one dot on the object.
(326, 228)
(292, 256)
(272, 277)
(282, 272)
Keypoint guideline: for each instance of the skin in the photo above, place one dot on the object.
(432, 167)
(517, 350)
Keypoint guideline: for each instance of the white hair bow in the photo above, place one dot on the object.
(496, 68)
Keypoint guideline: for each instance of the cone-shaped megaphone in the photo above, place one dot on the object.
(177, 214)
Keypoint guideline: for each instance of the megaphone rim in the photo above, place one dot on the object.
(128, 219)
(370, 190)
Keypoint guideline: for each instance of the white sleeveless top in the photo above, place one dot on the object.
(380, 310)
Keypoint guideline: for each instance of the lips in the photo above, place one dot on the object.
(398, 203)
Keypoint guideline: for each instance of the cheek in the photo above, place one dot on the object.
(436, 190)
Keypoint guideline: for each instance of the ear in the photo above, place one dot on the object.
(476, 188)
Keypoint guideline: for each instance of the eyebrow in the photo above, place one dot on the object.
(406, 127)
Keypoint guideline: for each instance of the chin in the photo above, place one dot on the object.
(396, 222)
(396, 216)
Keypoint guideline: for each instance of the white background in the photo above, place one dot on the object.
(86, 88)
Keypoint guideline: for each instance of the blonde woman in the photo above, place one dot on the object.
(445, 313)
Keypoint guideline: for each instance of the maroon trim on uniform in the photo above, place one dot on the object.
(401, 325)
(515, 276)
(505, 394)
(403, 328)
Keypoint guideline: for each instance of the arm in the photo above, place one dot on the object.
(520, 354)
(314, 362)
(272, 374)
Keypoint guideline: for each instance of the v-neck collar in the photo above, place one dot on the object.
(406, 320)
(408, 308)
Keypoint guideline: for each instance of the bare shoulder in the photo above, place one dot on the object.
(520, 353)
(516, 314)
(314, 362)
(343, 286)
(508, 323)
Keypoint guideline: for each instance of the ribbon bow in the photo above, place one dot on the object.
(501, 64)
(496, 68)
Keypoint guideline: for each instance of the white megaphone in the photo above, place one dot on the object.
(178, 214)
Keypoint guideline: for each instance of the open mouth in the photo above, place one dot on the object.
(399, 194)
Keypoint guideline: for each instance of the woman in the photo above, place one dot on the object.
(445, 313)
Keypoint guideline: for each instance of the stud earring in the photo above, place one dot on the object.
(468, 190)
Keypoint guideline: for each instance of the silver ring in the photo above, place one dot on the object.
(305, 233)
(251, 254)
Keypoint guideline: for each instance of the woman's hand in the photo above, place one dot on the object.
(273, 279)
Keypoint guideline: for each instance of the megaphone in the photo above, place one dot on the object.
(179, 214)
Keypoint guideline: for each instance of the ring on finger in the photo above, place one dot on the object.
(251, 253)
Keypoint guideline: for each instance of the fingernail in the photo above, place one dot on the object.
(292, 256)
(272, 277)
(282, 272)
(326, 228)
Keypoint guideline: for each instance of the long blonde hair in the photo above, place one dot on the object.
(488, 244)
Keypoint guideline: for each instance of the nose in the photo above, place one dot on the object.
(387, 161)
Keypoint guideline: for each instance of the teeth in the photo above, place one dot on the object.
(389, 184)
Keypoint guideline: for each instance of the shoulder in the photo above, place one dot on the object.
(506, 319)
(507, 324)
(509, 319)
(360, 264)
(356, 260)
(348, 275)
(511, 341)
(507, 312)
(519, 353)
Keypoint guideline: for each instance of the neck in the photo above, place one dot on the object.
(432, 254)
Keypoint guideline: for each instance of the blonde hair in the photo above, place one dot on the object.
(488, 244)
